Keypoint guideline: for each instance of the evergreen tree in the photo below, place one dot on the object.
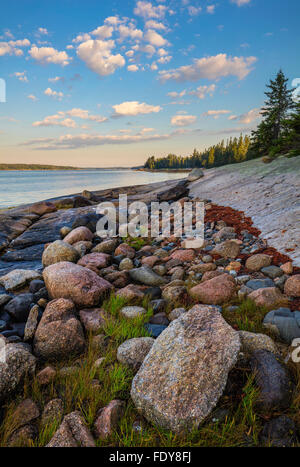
(277, 106)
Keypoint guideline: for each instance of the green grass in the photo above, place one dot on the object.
(91, 388)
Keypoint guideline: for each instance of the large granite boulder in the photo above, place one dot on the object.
(59, 334)
(79, 234)
(80, 284)
(195, 174)
(292, 286)
(186, 370)
(18, 278)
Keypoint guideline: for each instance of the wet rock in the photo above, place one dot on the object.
(82, 247)
(191, 361)
(203, 268)
(59, 334)
(79, 234)
(257, 262)
(87, 219)
(93, 319)
(158, 305)
(133, 351)
(174, 193)
(279, 432)
(18, 363)
(18, 308)
(215, 291)
(268, 297)
(159, 318)
(292, 286)
(251, 342)
(41, 208)
(80, 284)
(146, 276)
(154, 293)
(64, 231)
(155, 329)
(73, 432)
(4, 298)
(132, 312)
(273, 380)
(272, 271)
(108, 418)
(18, 278)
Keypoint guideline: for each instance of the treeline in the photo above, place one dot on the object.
(278, 133)
(35, 167)
(234, 150)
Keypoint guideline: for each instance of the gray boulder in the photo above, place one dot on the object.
(133, 351)
(59, 251)
(285, 323)
(186, 370)
(195, 174)
(146, 276)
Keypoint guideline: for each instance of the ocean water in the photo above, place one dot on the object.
(24, 186)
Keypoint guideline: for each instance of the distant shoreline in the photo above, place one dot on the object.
(165, 170)
(55, 167)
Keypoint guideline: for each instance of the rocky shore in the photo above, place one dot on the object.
(141, 342)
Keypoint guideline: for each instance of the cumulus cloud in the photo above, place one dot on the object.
(56, 79)
(183, 120)
(211, 9)
(202, 91)
(133, 108)
(98, 57)
(216, 113)
(132, 68)
(43, 31)
(155, 39)
(175, 94)
(130, 31)
(212, 68)
(146, 10)
(12, 47)
(247, 117)
(81, 38)
(55, 94)
(152, 24)
(56, 120)
(47, 55)
(103, 32)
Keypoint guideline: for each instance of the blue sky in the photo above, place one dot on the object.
(108, 83)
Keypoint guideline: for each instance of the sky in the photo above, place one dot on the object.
(109, 83)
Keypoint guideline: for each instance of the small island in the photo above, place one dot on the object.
(35, 167)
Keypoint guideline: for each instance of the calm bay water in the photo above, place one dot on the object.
(24, 186)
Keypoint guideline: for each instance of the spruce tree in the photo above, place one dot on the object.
(277, 106)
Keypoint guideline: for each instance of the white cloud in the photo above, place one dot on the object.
(183, 120)
(47, 55)
(133, 108)
(81, 38)
(55, 94)
(55, 120)
(152, 24)
(56, 79)
(21, 76)
(146, 10)
(212, 68)
(166, 59)
(202, 91)
(194, 11)
(85, 115)
(240, 2)
(216, 113)
(32, 97)
(154, 66)
(247, 117)
(129, 53)
(85, 140)
(62, 118)
(155, 39)
(132, 68)
(12, 47)
(211, 9)
(98, 57)
(175, 94)
(130, 31)
(103, 32)
(114, 20)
